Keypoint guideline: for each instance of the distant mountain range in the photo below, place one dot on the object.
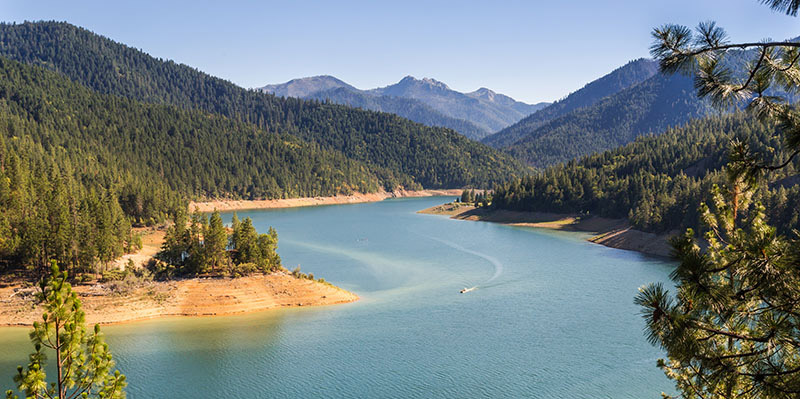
(427, 101)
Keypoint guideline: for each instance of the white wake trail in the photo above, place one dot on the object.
(498, 267)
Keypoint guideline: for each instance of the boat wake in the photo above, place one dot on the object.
(498, 267)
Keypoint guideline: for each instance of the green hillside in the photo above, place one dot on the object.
(657, 182)
(431, 157)
(78, 168)
(649, 107)
(626, 76)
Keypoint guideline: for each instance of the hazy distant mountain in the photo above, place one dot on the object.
(305, 87)
(503, 100)
(483, 107)
(630, 74)
(408, 108)
(426, 101)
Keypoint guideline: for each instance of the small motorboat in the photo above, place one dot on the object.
(465, 290)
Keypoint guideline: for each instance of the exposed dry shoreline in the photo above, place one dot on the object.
(230, 205)
(186, 297)
(614, 233)
(197, 296)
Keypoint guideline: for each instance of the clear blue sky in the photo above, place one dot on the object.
(530, 50)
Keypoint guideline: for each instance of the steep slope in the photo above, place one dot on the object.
(478, 109)
(192, 152)
(649, 107)
(626, 76)
(390, 146)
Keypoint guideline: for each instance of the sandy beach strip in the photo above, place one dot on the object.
(231, 205)
(614, 233)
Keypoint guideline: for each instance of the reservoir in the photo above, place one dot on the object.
(550, 316)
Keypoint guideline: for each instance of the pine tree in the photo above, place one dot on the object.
(215, 242)
(236, 228)
(465, 197)
(269, 249)
(733, 328)
(83, 362)
(195, 262)
(246, 244)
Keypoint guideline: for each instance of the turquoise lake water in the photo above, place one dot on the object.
(552, 317)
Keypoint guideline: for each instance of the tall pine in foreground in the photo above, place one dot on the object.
(732, 330)
(83, 363)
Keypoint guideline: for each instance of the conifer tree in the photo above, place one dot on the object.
(83, 362)
(733, 328)
(215, 242)
(246, 244)
(235, 227)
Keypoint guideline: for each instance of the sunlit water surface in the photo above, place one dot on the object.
(552, 317)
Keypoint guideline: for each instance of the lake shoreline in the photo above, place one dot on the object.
(192, 297)
(355, 198)
(198, 297)
(613, 233)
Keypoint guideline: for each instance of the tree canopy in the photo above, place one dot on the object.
(732, 330)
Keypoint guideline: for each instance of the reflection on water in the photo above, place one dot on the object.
(553, 317)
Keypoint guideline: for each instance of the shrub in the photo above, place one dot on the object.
(114, 275)
(243, 269)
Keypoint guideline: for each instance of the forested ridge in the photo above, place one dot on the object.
(649, 107)
(657, 182)
(78, 168)
(628, 75)
(632, 101)
(432, 157)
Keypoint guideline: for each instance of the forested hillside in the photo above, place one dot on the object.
(656, 182)
(391, 146)
(626, 76)
(649, 107)
(77, 168)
